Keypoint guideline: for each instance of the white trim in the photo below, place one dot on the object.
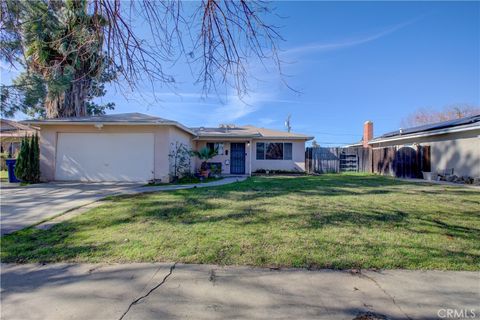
(79, 123)
(425, 134)
(255, 137)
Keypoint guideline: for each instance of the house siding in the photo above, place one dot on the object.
(458, 150)
(251, 163)
(222, 158)
(175, 135)
(296, 164)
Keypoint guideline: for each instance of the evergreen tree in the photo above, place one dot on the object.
(36, 159)
(20, 165)
(27, 168)
(27, 177)
(31, 160)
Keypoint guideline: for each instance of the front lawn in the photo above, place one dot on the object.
(3, 175)
(328, 221)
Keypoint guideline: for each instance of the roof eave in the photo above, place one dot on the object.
(110, 123)
(424, 134)
(258, 137)
(225, 136)
(287, 138)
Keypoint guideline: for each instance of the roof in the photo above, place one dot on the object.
(247, 132)
(10, 125)
(14, 129)
(107, 118)
(143, 119)
(117, 119)
(462, 124)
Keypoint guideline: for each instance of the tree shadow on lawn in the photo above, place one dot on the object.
(34, 245)
(251, 204)
(392, 256)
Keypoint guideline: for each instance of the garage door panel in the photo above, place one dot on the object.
(104, 157)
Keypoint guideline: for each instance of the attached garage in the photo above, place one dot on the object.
(105, 157)
(129, 147)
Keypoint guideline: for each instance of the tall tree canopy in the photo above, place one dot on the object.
(427, 116)
(70, 48)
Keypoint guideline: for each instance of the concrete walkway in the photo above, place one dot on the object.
(445, 183)
(169, 291)
(23, 206)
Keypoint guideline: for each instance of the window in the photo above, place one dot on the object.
(287, 151)
(216, 146)
(260, 150)
(274, 151)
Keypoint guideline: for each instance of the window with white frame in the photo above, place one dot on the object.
(274, 151)
(216, 146)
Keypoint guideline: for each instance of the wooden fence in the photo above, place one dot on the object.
(404, 162)
(328, 160)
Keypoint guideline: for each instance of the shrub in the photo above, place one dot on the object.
(277, 172)
(27, 168)
(3, 159)
(180, 161)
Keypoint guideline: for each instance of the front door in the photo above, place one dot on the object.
(237, 158)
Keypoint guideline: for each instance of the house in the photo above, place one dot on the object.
(454, 145)
(136, 147)
(11, 135)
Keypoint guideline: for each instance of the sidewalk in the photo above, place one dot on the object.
(169, 291)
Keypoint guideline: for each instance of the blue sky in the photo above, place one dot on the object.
(350, 62)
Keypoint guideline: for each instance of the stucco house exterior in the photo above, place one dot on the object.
(135, 147)
(454, 144)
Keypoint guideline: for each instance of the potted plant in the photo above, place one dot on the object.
(205, 154)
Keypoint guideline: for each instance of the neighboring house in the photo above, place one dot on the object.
(11, 135)
(453, 144)
(136, 147)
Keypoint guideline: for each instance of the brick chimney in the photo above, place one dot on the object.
(367, 132)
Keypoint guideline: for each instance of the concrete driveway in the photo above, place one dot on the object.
(23, 206)
(176, 291)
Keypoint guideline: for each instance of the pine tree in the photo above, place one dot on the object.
(31, 160)
(27, 168)
(28, 161)
(20, 165)
(36, 159)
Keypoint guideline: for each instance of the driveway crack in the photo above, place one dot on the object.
(134, 302)
(392, 298)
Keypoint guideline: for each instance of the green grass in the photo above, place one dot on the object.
(185, 180)
(328, 221)
(3, 175)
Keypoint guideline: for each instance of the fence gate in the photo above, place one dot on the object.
(348, 162)
(407, 163)
(383, 160)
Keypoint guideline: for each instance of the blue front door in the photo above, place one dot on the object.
(237, 158)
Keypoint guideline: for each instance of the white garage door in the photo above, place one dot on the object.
(104, 157)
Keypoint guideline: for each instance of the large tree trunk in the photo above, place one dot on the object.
(71, 103)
